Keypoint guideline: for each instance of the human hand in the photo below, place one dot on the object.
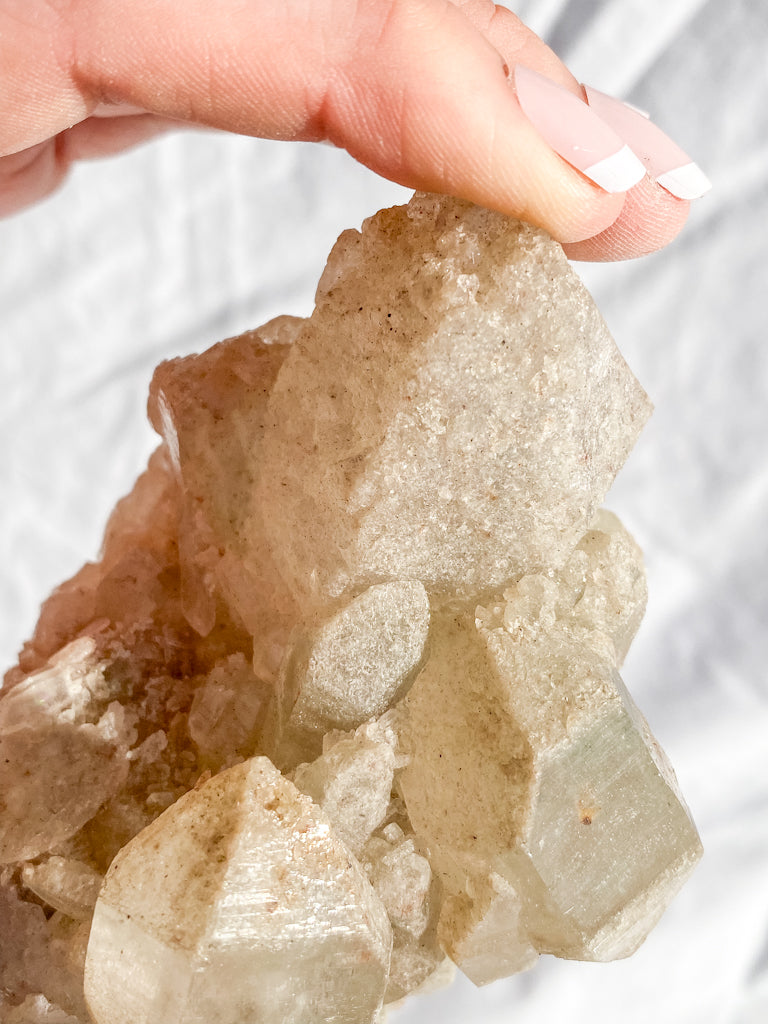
(424, 92)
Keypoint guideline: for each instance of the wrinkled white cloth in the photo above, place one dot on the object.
(199, 236)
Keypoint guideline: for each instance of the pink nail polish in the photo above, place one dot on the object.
(576, 132)
(664, 160)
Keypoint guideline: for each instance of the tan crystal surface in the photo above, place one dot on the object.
(369, 547)
(350, 669)
(213, 411)
(61, 721)
(241, 888)
(454, 411)
(481, 930)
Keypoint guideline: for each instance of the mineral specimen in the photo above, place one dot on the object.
(339, 704)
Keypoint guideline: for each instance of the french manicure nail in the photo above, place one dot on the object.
(664, 160)
(576, 132)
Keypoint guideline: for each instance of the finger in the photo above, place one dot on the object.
(515, 41)
(31, 175)
(101, 136)
(415, 90)
(412, 88)
(650, 217)
(649, 220)
(40, 95)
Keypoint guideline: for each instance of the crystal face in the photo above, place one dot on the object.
(340, 707)
(241, 885)
(573, 767)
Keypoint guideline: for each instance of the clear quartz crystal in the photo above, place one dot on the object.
(576, 808)
(37, 1010)
(352, 783)
(339, 706)
(60, 720)
(64, 884)
(482, 931)
(238, 903)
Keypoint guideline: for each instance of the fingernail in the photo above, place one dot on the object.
(576, 132)
(664, 160)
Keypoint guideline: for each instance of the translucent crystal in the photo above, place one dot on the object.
(540, 769)
(352, 783)
(238, 903)
(40, 955)
(227, 710)
(37, 1010)
(70, 886)
(482, 931)
(60, 720)
(351, 668)
(402, 879)
(212, 411)
(369, 548)
(453, 412)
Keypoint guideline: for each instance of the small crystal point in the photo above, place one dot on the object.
(352, 783)
(237, 906)
(61, 721)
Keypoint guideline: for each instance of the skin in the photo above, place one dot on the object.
(417, 90)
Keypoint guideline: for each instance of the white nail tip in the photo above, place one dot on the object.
(618, 172)
(686, 182)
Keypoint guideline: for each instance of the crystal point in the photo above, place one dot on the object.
(237, 904)
(62, 721)
(575, 808)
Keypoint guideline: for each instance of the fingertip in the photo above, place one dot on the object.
(453, 124)
(573, 212)
(104, 136)
(29, 176)
(591, 223)
(650, 219)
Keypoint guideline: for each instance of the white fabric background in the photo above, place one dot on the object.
(197, 237)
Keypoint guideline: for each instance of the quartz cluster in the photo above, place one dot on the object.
(339, 705)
